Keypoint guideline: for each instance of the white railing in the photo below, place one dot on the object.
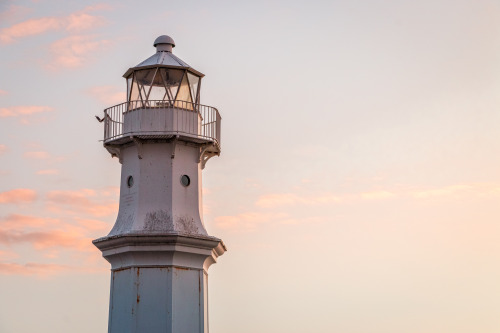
(183, 122)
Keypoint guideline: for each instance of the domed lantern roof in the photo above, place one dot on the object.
(163, 79)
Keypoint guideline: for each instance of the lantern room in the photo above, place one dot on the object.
(163, 80)
(163, 102)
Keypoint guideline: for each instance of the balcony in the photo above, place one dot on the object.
(161, 119)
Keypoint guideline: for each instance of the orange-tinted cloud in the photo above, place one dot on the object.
(3, 92)
(44, 270)
(75, 51)
(108, 95)
(377, 195)
(37, 269)
(85, 200)
(43, 233)
(74, 23)
(16, 111)
(290, 199)
(47, 239)
(29, 28)
(25, 222)
(37, 155)
(249, 220)
(48, 172)
(3, 149)
(18, 196)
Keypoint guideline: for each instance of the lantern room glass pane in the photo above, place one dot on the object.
(194, 83)
(134, 95)
(158, 91)
(129, 86)
(144, 79)
(184, 95)
(172, 78)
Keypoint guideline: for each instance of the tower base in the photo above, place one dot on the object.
(159, 283)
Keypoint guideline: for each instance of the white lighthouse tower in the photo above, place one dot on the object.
(159, 249)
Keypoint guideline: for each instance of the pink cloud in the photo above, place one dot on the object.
(43, 233)
(75, 51)
(44, 270)
(377, 195)
(85, 200)
(74, 22)
(8, 255)
(25, 222)
(93, 225)
(37, 269)
(47, 239)
(3, 92)
(18, 196)
(82, 21)
(37, 155)
(3, 149)
(29, 28)
(108, 94)
(289, 199)
(16, 111)
(48, 172)
(249, 220)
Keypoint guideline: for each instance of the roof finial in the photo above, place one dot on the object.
(164, 43)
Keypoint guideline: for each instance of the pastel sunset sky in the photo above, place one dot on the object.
(358, 189)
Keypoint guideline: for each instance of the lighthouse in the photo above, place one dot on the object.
(158, 248)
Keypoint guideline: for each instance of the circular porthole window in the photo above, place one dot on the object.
(130, 181)
(185, 181)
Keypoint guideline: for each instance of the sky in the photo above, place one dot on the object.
(358, 187)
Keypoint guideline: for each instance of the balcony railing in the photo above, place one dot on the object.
(166, 118)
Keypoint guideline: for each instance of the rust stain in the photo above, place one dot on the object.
(121, 269)
(182, 268)
(138, 298)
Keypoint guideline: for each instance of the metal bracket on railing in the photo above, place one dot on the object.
(138, 143)
(115, 152)
(205, 155)
(174, 144)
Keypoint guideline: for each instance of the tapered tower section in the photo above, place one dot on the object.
(159, 249)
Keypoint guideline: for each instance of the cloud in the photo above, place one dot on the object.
(93, 225)
(25, 222)
(43, 233)
(74, 23)
(41, 270)
(3, 92)
(446, 191)
(290, 199)
(18, 196)
(44, 270)
(16, 111)
(376, 195)
(47, 239)
(75, 51)
(48, 172)
(82, 201)
(108, 94)
(8, 255)
(3, 149)
(29, 28)
(37, 155)
(249, 220)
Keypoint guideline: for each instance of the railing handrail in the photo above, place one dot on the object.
(208, 119)
(172, 105)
